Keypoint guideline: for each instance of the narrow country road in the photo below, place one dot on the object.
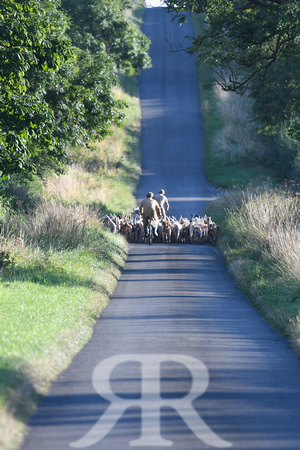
(172, 132)
(179, 357)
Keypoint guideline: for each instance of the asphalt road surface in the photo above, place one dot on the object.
(179, 357)
(172, 131)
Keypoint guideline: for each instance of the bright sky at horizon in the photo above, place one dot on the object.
(154, 3)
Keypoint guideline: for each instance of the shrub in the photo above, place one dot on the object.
(286, 154)
(11, 248)
(53, 224)
(269, 221)
(7, 263)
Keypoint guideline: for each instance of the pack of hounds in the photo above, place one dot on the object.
(196, 230)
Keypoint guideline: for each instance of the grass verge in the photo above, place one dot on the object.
(259, 219)
(48, 305)
(260, 242)
(58, 266)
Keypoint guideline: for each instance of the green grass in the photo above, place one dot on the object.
(48, 306)
(229, 176)
(42, 300)
(130, 86)
(136, 12)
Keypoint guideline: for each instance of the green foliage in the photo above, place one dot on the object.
(81, 97)
(56, 80)
(241, 40)
(100, 25)
(277, 97)
(253, 45)
(7, 263)
(28, 42)
(286, 154)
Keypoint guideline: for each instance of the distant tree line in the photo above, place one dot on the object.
(59, 61)
(253, 45)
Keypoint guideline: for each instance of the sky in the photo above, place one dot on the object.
(154, 3)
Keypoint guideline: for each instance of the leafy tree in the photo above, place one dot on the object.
(27, 41)
(101, 25)
(56, 81)
(242, 39)
(277, 99)
(80, 93)
(252, 45)
(81, 97)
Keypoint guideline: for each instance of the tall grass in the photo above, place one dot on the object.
(59, 226)
(236, 154)
(237, 140)
(269, 220)
(261, 242)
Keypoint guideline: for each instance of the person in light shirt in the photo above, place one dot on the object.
(162, 201)
(150, 209)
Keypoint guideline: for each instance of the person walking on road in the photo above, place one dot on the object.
(162, 201)
(150, 209)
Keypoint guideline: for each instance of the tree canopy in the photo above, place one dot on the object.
(241, 39)
(28, 41)
(251, 44)
(101, 25)
(59, 62)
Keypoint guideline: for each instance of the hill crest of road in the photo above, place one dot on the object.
(172, 131)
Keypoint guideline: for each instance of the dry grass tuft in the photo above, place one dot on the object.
(12, 248)
(58, 225)
(270, 222)
(105, 156)
(77, 185)
(67, 187)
